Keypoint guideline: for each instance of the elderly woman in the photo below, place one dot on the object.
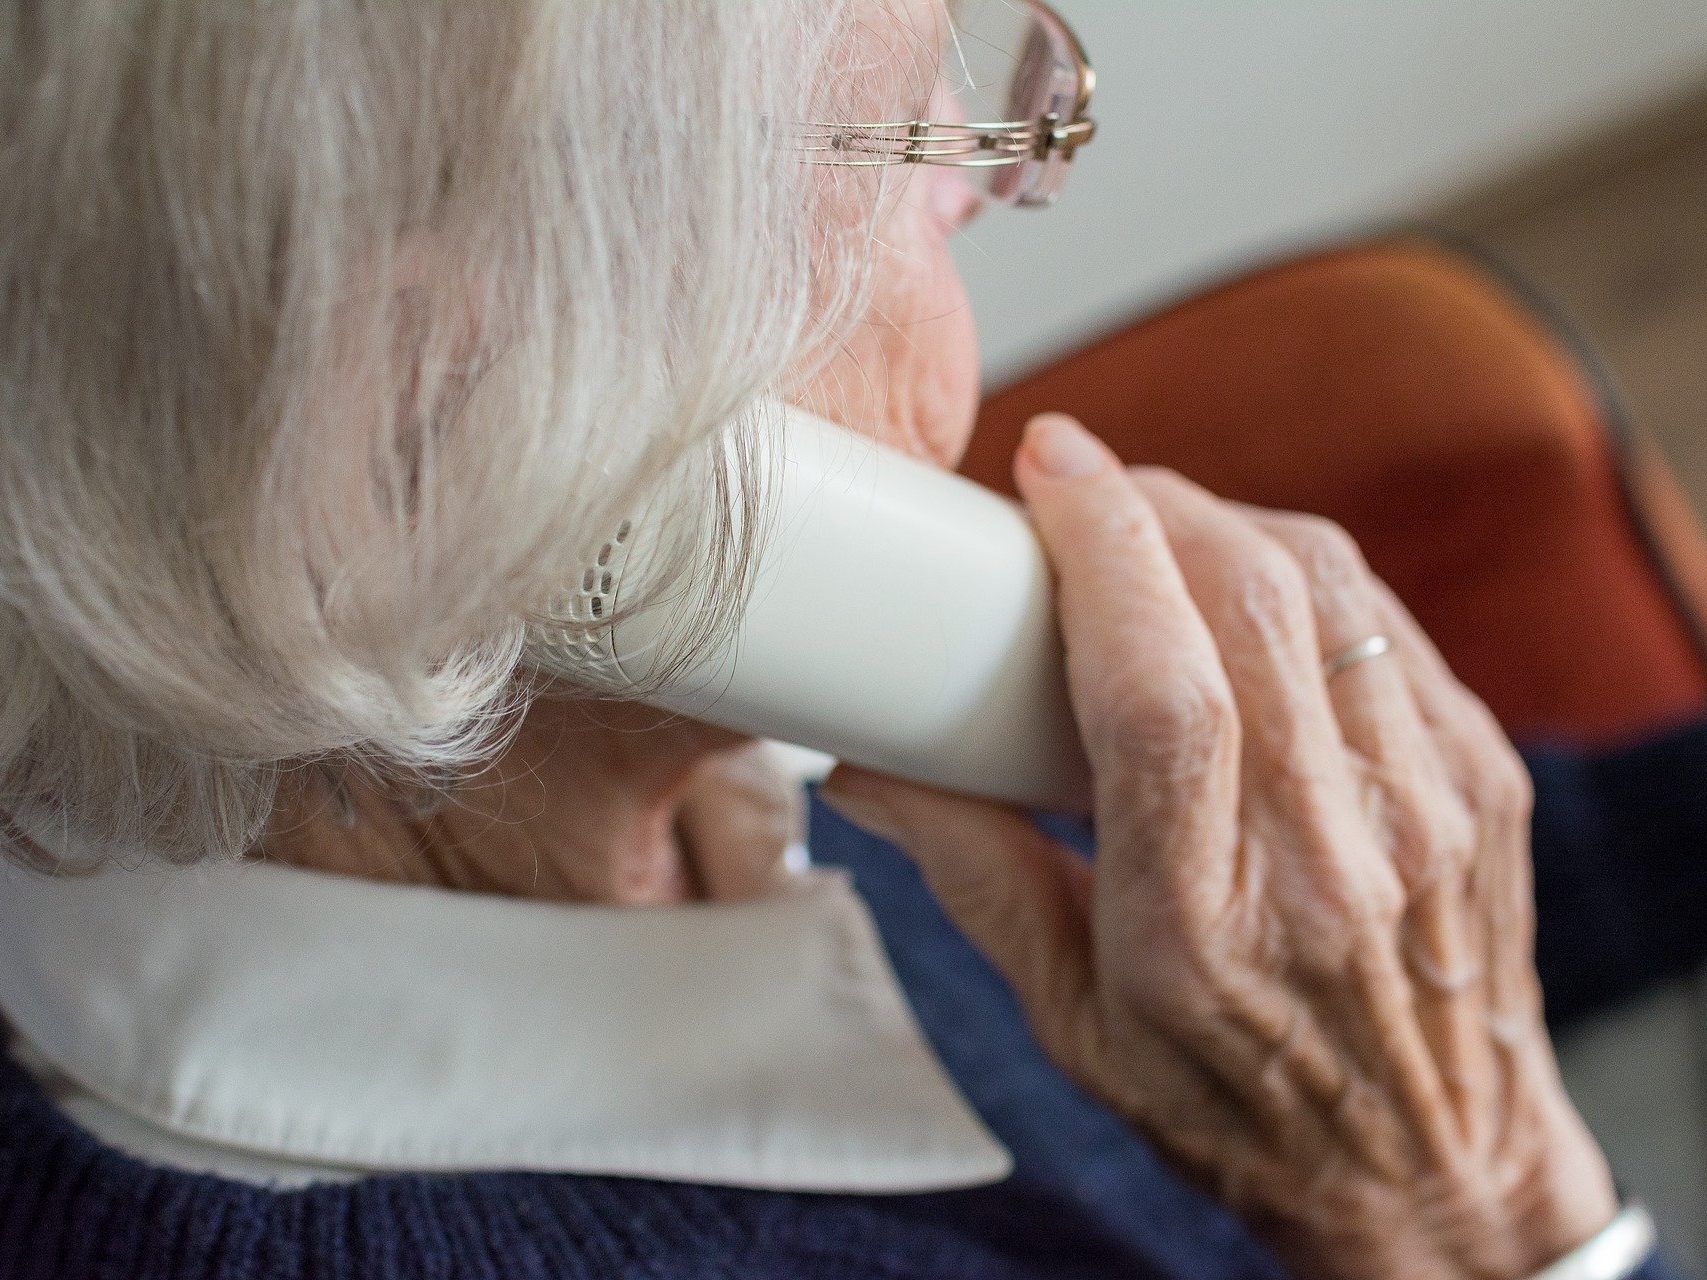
(332, 334)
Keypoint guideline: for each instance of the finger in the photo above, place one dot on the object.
(736, 822)
(1333, 880)
(1157, 716)
(1020, 897)
(1487, 773)
(1159, 722)
(1496, 787)
(1255, 598)
(1472, 943)
(1151, 699)
(1429, 830)
(1371, 700)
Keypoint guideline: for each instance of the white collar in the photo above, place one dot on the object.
(259, 1020)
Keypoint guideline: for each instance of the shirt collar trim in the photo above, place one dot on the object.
(374, 1027)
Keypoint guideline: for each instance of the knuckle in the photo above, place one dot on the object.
(1504, 787)
(1450, 842)
(1192, 710)
(1328, 552)
(1493, 775)
(1318, 534)
(1339, 579)
(1433, 832)
(1112, 522)
(1273, 592)
(1128, 524)
(1360, 901)
(1376, 906)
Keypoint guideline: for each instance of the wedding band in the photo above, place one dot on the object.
(1362, 651)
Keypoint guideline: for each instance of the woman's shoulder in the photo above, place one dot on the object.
(72, 1206)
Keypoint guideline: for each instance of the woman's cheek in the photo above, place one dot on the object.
(909, 372)
(936, 410)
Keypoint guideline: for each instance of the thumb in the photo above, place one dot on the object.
(1020, 897)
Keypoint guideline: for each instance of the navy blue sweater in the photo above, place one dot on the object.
(1087, 1199)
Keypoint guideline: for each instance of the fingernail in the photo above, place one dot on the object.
(1059, 446)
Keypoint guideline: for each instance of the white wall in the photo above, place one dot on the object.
(1232, 127)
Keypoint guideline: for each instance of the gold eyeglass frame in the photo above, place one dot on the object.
(972, 144)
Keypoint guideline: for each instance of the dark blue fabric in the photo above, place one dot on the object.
(1620, 868)
(1088, 1199)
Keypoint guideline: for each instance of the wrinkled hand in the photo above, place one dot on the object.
(1301, 963)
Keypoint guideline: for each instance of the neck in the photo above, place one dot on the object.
(589, 801)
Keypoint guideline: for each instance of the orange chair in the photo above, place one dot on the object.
(1413, 392)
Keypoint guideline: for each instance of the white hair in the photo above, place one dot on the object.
(329, 332)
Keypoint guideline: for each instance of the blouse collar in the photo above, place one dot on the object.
(268, 1022)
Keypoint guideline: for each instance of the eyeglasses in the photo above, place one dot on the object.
(1024, 86)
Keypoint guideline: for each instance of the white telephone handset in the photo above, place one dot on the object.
(900, 619)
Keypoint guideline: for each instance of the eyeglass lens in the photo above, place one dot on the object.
(1009, 62)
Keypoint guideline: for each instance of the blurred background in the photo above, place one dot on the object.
(1570, 136)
